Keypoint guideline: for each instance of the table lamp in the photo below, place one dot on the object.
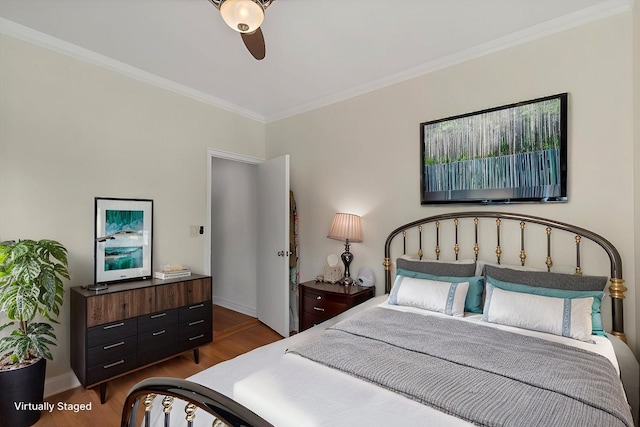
(346, 227)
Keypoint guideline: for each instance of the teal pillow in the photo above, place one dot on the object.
(473, 301)
(596, 318)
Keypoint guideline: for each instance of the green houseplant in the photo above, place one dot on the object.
(31, 286)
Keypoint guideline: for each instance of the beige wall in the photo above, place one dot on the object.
(362, 155)
(636, 152)
(71, 131)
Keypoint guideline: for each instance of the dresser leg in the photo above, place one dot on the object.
(103, 393)
(196, 355)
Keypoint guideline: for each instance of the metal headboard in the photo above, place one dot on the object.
(616, 288)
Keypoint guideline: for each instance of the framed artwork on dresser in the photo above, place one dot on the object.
(123, 239)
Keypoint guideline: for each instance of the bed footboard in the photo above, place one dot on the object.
(164, 390)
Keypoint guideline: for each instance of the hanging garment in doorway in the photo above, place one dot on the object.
(294, 244)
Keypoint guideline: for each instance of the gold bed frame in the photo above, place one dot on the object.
(616, 287)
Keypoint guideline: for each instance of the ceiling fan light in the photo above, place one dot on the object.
(244, 16)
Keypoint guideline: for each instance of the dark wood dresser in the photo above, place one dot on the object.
(135, 324)
(319, 301)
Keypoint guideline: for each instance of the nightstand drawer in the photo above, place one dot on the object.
(309, 320)
(323, 305)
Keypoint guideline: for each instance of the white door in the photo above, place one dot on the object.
(273, 244)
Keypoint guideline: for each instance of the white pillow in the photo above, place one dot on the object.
(432, 295)
(559, 316)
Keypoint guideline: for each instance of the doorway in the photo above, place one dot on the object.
(247, 248)
(234, 229)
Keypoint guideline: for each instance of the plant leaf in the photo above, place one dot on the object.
(31, 274)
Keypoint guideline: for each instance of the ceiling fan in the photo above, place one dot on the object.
(245, 16)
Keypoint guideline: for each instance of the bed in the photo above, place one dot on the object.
(491, 329)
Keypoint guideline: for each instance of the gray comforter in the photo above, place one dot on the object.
(481, 374)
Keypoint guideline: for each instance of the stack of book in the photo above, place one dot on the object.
(172, 274)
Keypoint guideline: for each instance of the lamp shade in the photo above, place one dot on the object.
(346, 227)
(244, 16)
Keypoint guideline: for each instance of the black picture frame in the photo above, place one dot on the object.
(510, 154)
(123, 239)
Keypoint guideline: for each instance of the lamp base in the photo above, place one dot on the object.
(347, 281)
(347, 257)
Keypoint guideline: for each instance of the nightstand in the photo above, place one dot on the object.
(319, 301)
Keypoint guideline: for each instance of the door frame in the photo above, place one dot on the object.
(218, 154)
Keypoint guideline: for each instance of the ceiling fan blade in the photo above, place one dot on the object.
(255, 43)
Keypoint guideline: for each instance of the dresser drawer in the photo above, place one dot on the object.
(111, 332)
(154, 345)
(195, 326)
(197, 311)
(156, 321)
(112, 351)
(163, 337)
(195, 339)
(111, 368)
(325, 306)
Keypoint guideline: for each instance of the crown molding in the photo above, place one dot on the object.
(37, 38)
(557, 25)
(594, 13)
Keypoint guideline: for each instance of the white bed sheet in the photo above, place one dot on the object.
(288, 390)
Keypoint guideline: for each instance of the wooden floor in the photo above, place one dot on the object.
(234, 334)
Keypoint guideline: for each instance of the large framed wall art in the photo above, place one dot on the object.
(123, 239)
(513, 153)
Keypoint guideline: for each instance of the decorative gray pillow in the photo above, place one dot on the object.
(437, 268)
(544, 279)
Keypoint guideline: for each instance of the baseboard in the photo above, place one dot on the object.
(60, 383)
(249, 311)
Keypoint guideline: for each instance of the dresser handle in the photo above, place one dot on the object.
(318, 297)
(196, 306)
(155, 316)
(318, 308)
(196, 322)
(111, 365)
(117, 325)
(155, 334)
(107, 347)
(196, 337)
